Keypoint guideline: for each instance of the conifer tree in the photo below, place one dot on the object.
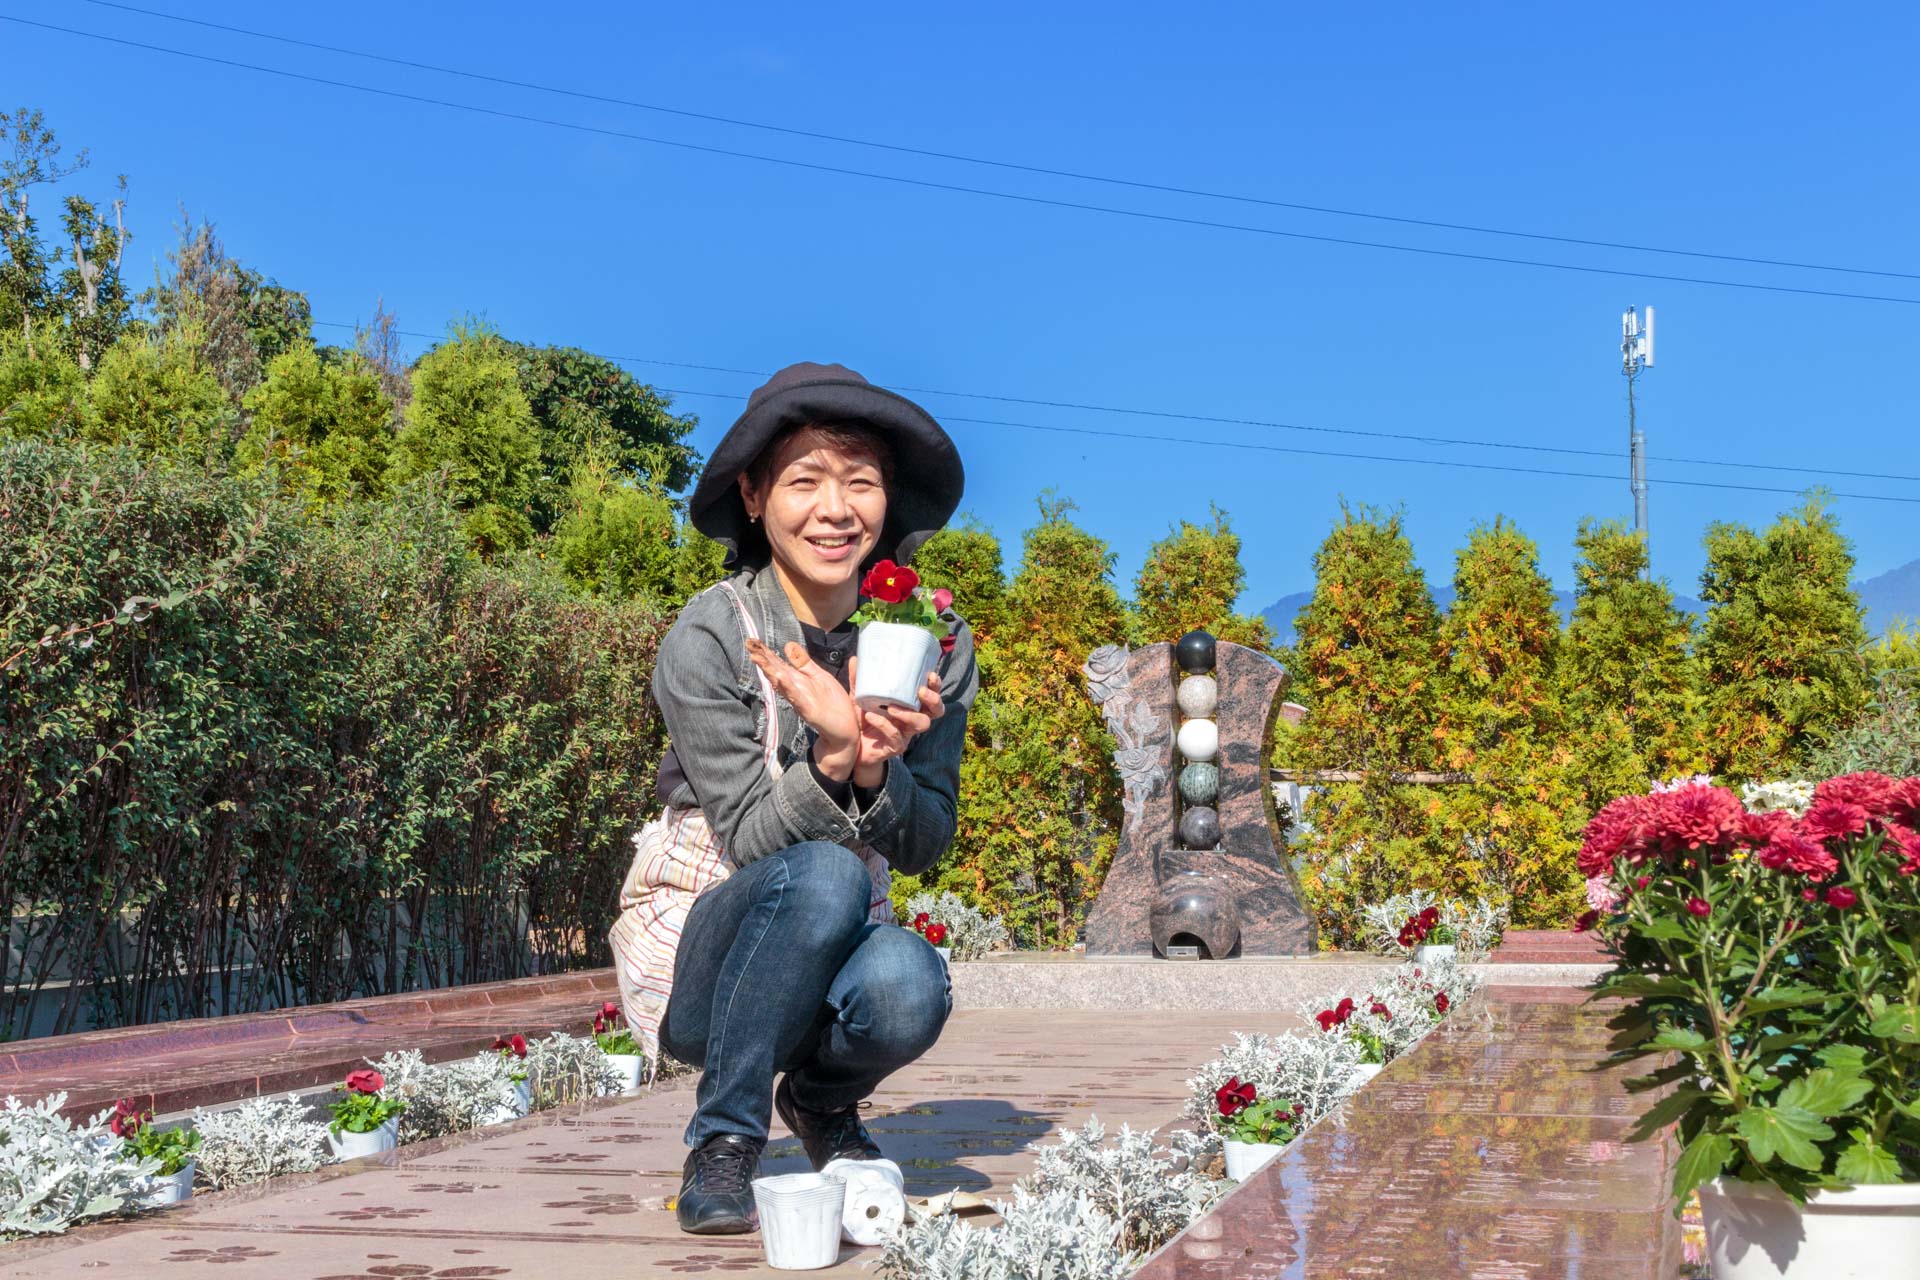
(1039, 798)
(1190, 580)
(1631, 686)
(964, 558)
(1366, 661)
(327, 423)
(1781, 651)
(1511, 828)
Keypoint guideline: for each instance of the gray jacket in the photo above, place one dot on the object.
(709, 694)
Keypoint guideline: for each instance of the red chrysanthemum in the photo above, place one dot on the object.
(1834, 820)
(1234, 1097)
(889, 583)
(1841, 897)
(1791, 851)
(1618, 828)
(1904, 801)
(1695, 817)
(1874, 792)
(1587, 920)
(1697, 906)
(1755, 830)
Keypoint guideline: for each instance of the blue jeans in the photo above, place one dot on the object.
(778, 969)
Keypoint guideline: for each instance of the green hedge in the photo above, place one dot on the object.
(338, 757)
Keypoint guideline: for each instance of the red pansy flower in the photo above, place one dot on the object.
(516, 1044)
(609, 1010)
(889, 582)
(1441, 1002)
(1842, 897)
(1336, 1016)
(1380, 1010)
(365, 1080)
(936, 934)
(921, 921)
(1234, 1097)
(128, 1118)
(1698, 906)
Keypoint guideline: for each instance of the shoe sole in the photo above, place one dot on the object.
(722, 1227)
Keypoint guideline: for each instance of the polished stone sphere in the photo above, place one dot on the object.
(1198, 696)
(1195, 908)
(1198, 740)
(1200, 828)
(1195, 652)
(1200, 784)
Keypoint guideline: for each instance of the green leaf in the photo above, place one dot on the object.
(1663, 930)
(1702, 1160)
(1786, 1132)
(1825, 1092)
(1642, 984)
(1792, 996)
(1680, 1038)
(1848, 1058)
(1864, 1160)
(1900, 1022)
(1665, 1112)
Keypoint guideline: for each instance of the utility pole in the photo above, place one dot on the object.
(1636, 353)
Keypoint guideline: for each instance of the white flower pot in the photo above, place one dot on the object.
(1365, 1071)
(632, 1067)
(895, 661)
(945, 954)
(1428, 953)
(800, 1218)
(168, 1188)
(1754, 1232)
(876, 1199)
(348, 1145)
(1244, 1159)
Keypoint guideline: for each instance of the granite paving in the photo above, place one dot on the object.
(583, 1194)
(1496, 1150)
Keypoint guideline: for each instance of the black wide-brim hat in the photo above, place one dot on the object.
(927, 476)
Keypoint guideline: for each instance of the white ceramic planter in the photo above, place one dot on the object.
(632, 1067)
(1754, 1232)
(351, 1146)
(1425, 954)
(1244, 1159)
(800, 1218)
(945, 954)
(895, 661)
(1365, 1071)
(169, 1188)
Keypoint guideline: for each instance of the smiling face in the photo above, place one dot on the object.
(821, 497)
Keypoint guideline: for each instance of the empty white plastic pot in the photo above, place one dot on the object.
(876, 1199)
(800, 1218)
(895, 661)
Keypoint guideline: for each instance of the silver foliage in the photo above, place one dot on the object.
(566, 1069)
(54, 1173)
(1139, 1184)
(449, 1097)
(971, 934)
(1057, 1236)
(261, 1138)
(1478, 923)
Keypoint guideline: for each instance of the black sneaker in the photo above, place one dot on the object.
(827, 1135)
(716, 1189)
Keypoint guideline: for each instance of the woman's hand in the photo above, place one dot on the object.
(890, 730)
(816, 695)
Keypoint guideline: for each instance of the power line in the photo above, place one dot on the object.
(1330, 453)
(957, 188)
(991, 162)
(1212, 420)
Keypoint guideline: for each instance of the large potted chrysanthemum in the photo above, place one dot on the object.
(1771, 954)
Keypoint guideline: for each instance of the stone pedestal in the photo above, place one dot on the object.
(1135, 692)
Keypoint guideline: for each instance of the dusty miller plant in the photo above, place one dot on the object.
(1315, 1071)
(1057, 1236)
(1132, 1180)
(449, 1097)
(970, 933)
(261, 1138)
(1477, 925)
(54, 1173)
(565, 1069)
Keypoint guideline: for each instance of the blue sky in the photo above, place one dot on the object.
(1708, 127)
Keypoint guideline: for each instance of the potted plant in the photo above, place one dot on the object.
(172, 1182)
(1256, 1129)
(1429, 935)
(365, 1121)
(513, 1051)
(901, 636)
(1778, 959)
(935, 933)
(616, 1040)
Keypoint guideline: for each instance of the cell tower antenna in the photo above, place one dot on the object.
(1636, 354)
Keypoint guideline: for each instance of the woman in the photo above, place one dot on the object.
(755, 937)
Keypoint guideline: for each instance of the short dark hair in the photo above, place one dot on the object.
(853, 437)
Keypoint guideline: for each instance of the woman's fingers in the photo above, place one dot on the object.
(932, 705)
(884, 733)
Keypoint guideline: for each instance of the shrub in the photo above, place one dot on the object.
(970, 933)
(1058, 1236)
(1131, 1180)
(54, 1173)
(566, 1069)
(348, 752)
(261, 1138)
(449, 1097)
